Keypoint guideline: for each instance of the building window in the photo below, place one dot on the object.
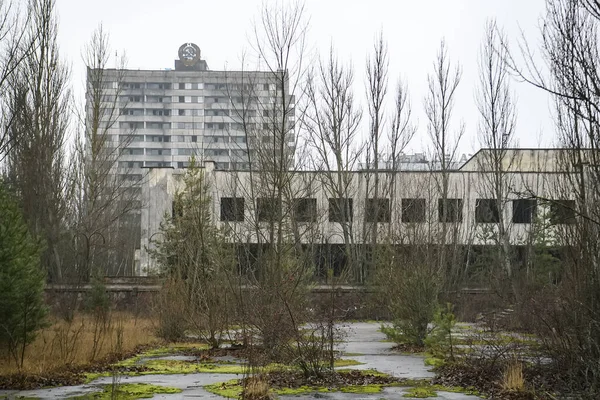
(524, 211)
(268, 209)
(340, 210)
(182, 99)
(232, 209)
(158, 152)
(133, 151)
(413, 210)
(450, 210)
(305, 209)
(194, 139)
(486, 211)
(377, 210)
(562, 212)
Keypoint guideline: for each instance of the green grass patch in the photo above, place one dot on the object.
(434, 362)
(421, 392)
(345, 362)
(362, 389)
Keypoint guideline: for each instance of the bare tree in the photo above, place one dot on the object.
(107, 205)
(331, 120)
(39, 106)
(439, 106)
(570, 73)
(273, 253)
(16, 42)
(496, 132)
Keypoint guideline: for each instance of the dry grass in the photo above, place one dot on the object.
(256, 388)
(83, 340)
(512, 379)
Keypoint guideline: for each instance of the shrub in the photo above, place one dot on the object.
(439, 341)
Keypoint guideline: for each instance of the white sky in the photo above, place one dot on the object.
(151, 31)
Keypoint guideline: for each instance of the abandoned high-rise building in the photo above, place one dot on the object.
(167, 116)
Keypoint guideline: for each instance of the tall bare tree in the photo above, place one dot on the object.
(16, 42)
(495, 132)
(331, 122)
(439, 106)
(107, 205)
(39, 106)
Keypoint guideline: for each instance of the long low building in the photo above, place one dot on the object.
(465, 206)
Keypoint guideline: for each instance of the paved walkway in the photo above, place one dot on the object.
(363, 343)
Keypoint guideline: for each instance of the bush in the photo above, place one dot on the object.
(410, 293)
(439, 341)
(169, 311)
(22, 308)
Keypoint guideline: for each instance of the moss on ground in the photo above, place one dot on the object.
(233, 389)
(421, 392)
(161, 351)
(345, 362)
(434, 362)
(128, 391)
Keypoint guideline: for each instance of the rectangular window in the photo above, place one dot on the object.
(305, 209)
(182, 99)
(181, 85)
(158, 152)
(232, 209)
(340, 209)
(450, 210)
(562, 211)
(181, 112)
(377, 210)
(486, 211)
(413, 210)
(523, 211)
(268, 209)
(133, 151)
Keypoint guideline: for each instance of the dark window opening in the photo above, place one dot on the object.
(232, 209)
(305, 209)
(562, 212)
(377, 210)
(268, 209)
(486, 211)
(450, 210)
(524, 211)
(340, 210)
(413, 210)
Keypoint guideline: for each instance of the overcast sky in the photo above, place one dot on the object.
(151, 31)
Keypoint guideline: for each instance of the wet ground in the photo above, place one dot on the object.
(363, 343)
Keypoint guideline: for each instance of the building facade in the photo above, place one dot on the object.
(408, 208)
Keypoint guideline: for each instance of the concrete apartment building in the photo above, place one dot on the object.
(409, 202)
(169, 115)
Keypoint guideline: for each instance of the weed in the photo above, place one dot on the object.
(512, 379)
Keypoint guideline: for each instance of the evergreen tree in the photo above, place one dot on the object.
(22, 308)
(192, 251)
